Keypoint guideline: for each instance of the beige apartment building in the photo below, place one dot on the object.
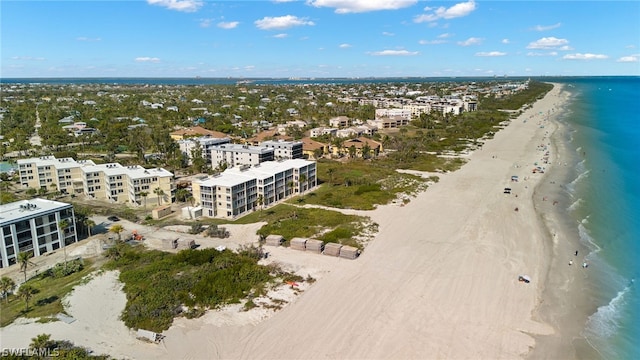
(240, 190)
(107, 182)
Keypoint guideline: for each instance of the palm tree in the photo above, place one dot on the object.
(182, 195)
(289, 187)
(89, 223)
(62, 227)
(117, 229)
(261, 201)
(330, 172)
(352, 151)
(42, 341)
(366, 149)
(26, 292)
(23, 259)
(144, 195)
(303, 181)
(160, 194)
(7, 285)
(31, 192)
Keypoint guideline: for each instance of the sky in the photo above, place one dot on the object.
(317, 38)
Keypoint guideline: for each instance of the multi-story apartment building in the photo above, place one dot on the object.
(404, 114)
(127, 184)
(240, 190)
(231, 155)
(34, 226)
(206, 143)
(48, 172)
(112, 182)
(284, 149)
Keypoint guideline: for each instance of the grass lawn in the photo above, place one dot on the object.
(48, 301)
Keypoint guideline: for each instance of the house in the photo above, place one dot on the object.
(359, 144)
(195, 131)
(319, 131)
(312, 149)
(339, 121)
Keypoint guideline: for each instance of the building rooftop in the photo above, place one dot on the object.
(27, 208)
(238, 175)
(243, 148)
(62, 163)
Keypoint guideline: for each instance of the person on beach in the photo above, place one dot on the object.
(576, 252)
(570, 262)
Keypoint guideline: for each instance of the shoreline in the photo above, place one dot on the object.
(444, 268)
(567, 300)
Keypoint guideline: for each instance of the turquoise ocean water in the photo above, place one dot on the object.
(605, 205)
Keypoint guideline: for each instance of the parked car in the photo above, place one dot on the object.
(113, 218)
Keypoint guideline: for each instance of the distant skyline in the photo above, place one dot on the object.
(318, 38)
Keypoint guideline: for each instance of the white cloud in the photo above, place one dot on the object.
(84, 38)
(228, 25)
(470, 41)
(280, 36)
(281, 22)
(205, 23)
(548, 43)
(432, 42)
(630, 46)
(550, 53)
(385, 33)
(394, 53)
(27, 58)
(491, 54)
(147, 59)
(630, 58)
(360, 6)
(587, 56)
(545, 27)
(178, 5)
(457, 10)
(505, 41)
(344, 46)
(445, 36)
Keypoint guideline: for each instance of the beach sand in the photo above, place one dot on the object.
(440, 280)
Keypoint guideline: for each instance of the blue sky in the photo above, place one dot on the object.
(318, 38)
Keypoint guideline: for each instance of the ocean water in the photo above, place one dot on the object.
(605, 205)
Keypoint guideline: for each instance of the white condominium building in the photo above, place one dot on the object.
(284, 149)
(33, 226)
(240, 190)
(404, 114)
(206, 143)
(231, 155)
(112, 182)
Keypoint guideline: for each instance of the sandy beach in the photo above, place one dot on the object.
(440, 279)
